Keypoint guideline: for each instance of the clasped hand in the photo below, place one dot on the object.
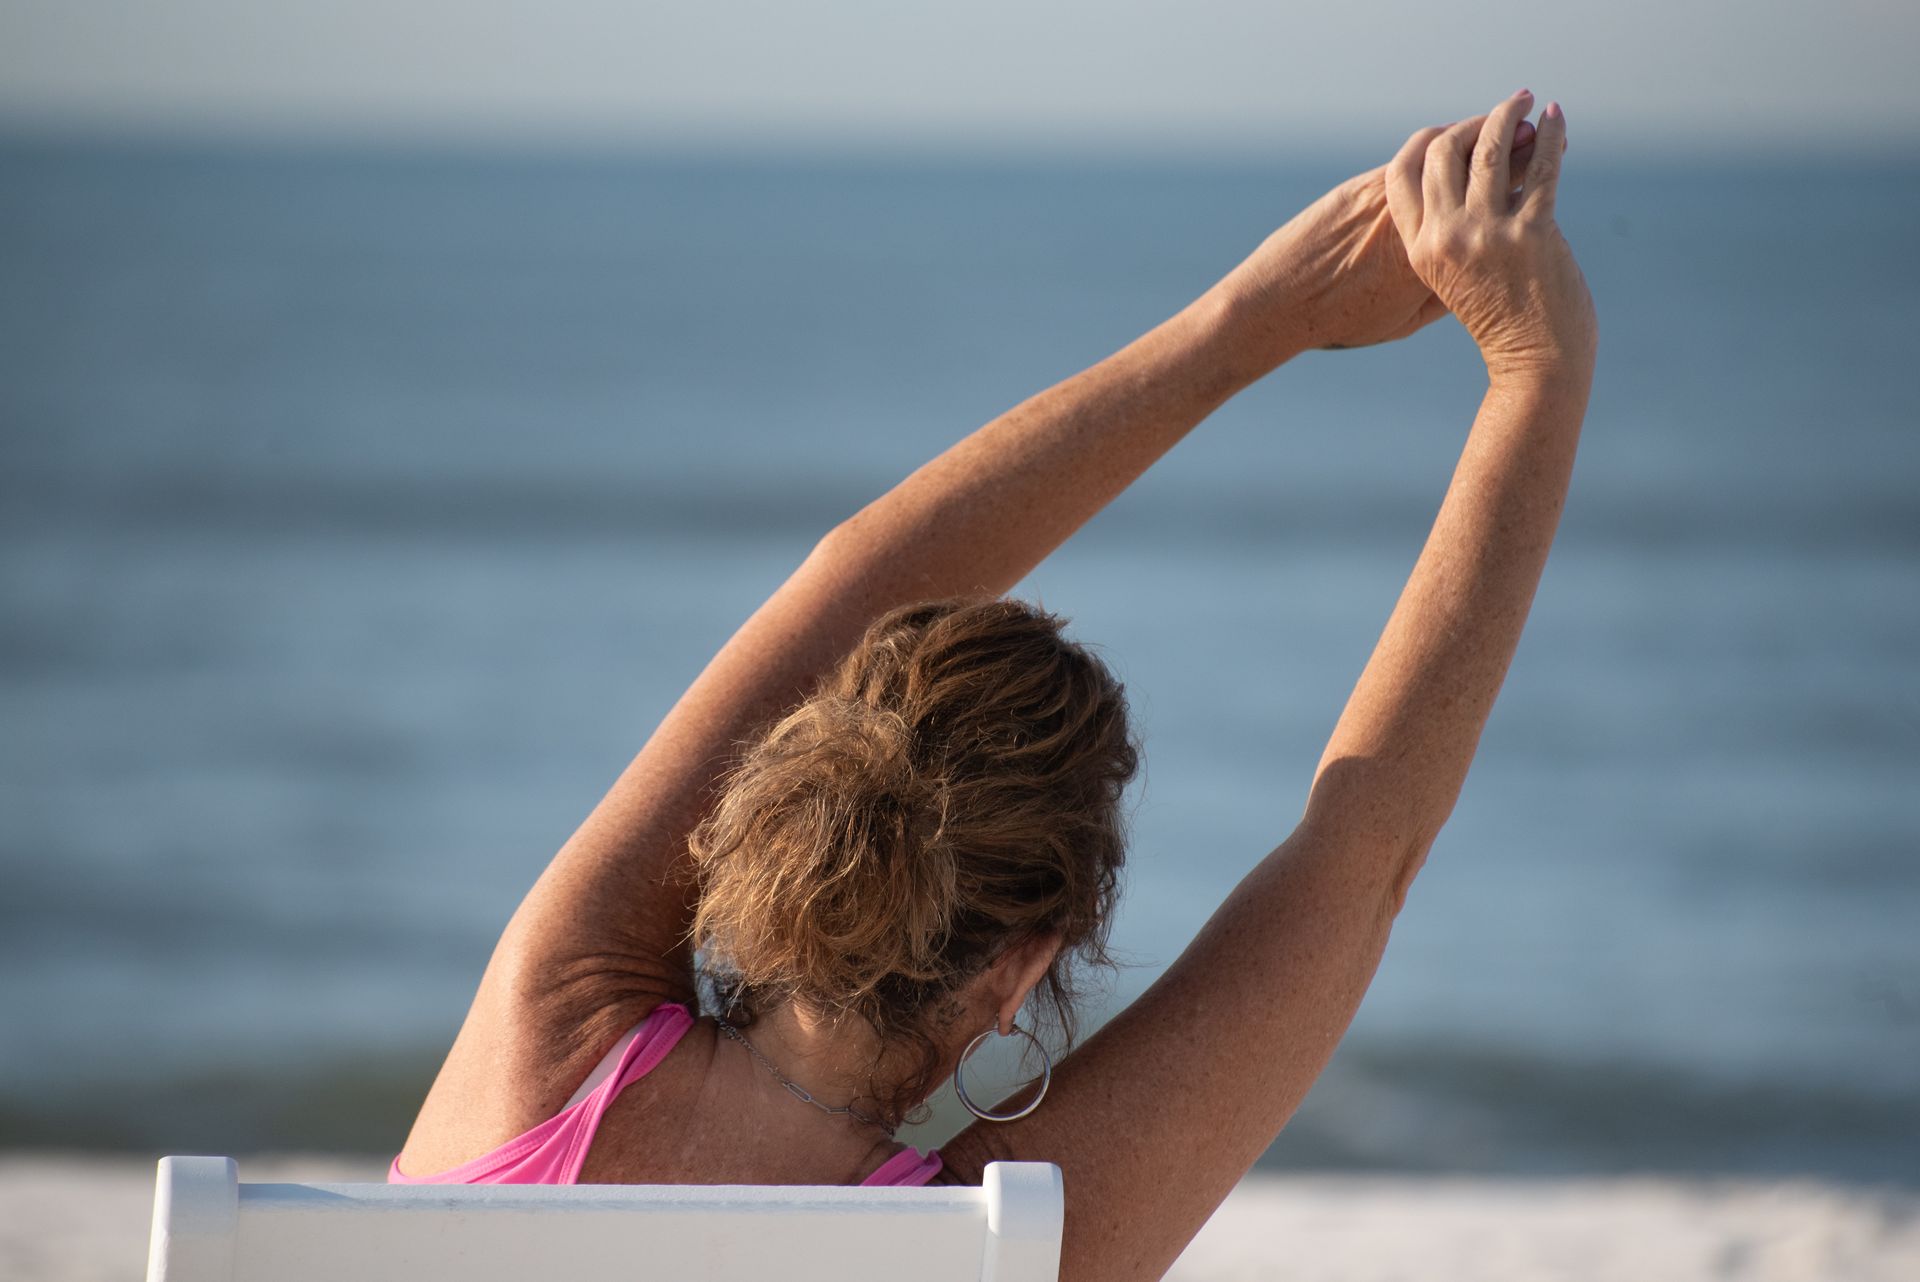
(1461, 220)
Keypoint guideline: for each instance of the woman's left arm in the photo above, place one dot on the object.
(601, 937)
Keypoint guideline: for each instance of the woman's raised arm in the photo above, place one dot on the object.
(1164, 1109)
(601, 936)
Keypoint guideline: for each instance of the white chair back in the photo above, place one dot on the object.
(209, 1227)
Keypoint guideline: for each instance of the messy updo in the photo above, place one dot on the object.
(951, 790)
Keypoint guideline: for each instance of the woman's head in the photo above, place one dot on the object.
(949, 796)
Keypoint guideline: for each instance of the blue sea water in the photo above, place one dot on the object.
(360, 513)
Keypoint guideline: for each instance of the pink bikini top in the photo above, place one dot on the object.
(553, 1152)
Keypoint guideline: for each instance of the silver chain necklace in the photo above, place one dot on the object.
(794, 1088)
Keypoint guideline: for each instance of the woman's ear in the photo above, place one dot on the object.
(1015, 973)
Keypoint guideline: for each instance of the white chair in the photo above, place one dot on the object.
(209, 1227)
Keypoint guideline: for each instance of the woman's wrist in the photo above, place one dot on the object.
(1546, 395)
(1559, 372)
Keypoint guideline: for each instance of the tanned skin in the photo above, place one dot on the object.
(1157, 1116)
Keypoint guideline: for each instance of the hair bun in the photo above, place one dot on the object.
(952, 788)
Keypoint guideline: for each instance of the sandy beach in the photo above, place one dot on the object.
(84, 1218)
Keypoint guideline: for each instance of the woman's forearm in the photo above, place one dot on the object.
(1400, 751)
(981, 515)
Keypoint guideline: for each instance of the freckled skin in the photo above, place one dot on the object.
(1159, 1114)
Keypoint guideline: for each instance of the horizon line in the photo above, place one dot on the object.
(527, 140)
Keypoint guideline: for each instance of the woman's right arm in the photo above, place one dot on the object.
(1164, 1109)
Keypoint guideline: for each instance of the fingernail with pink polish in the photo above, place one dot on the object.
(1553, 109)
(1523, 93)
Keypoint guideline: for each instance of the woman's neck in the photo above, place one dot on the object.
(837, 1062)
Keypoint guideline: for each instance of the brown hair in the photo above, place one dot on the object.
(952, 789)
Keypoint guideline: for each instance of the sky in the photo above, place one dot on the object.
(1151, 75)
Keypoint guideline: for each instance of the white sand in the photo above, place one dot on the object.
(1647, 1230)
(79, 1218)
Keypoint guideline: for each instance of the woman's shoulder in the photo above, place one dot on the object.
(496, 1086)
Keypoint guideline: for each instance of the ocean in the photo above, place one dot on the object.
(361, 511)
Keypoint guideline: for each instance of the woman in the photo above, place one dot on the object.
(929, 831)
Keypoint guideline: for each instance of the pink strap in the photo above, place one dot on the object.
(659, 1034)
(909, 1168)
(554, 1151)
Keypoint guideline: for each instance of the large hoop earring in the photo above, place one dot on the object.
(960, 1086)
